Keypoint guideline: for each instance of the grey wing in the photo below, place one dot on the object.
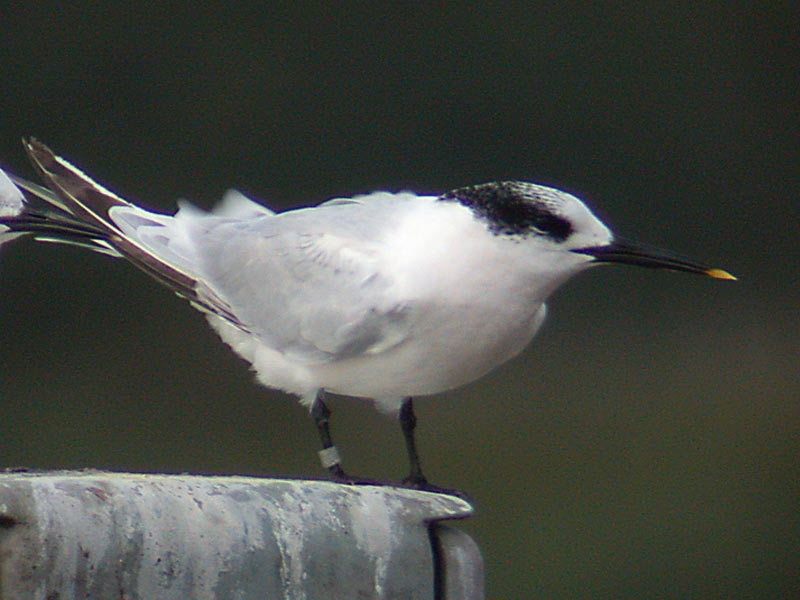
(314, 293)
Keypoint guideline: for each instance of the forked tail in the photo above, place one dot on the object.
(73, 209)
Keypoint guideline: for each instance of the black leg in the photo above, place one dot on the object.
(408, 421)
(328, 455)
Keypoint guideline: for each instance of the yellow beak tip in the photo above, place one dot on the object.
(720, 274)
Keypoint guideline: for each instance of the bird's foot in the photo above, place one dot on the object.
(415, 480)
(338, 475)
(418, 481)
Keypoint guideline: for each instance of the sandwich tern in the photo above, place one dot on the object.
(386, 296)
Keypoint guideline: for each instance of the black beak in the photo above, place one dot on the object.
(632, 253)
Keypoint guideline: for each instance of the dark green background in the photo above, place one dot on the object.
(646, 445)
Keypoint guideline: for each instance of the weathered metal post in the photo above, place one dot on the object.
(104, 535)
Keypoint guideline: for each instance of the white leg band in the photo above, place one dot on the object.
(329, 457)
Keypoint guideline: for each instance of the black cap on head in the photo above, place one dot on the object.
(514, 208)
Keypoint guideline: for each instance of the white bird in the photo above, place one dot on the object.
(385, 296)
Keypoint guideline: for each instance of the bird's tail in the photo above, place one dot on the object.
(73, 209)
(12, 204)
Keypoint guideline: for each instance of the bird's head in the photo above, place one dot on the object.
(561, 231)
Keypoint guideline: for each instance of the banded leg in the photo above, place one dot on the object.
(329, 455)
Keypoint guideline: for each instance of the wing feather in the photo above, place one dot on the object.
(308, 283)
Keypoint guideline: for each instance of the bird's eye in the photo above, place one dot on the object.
(549, 224)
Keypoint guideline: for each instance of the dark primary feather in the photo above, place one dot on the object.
(44, 217)
(74, 209)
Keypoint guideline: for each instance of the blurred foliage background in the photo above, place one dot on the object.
(646, 445)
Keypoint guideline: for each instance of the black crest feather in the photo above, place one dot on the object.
(514, 208)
